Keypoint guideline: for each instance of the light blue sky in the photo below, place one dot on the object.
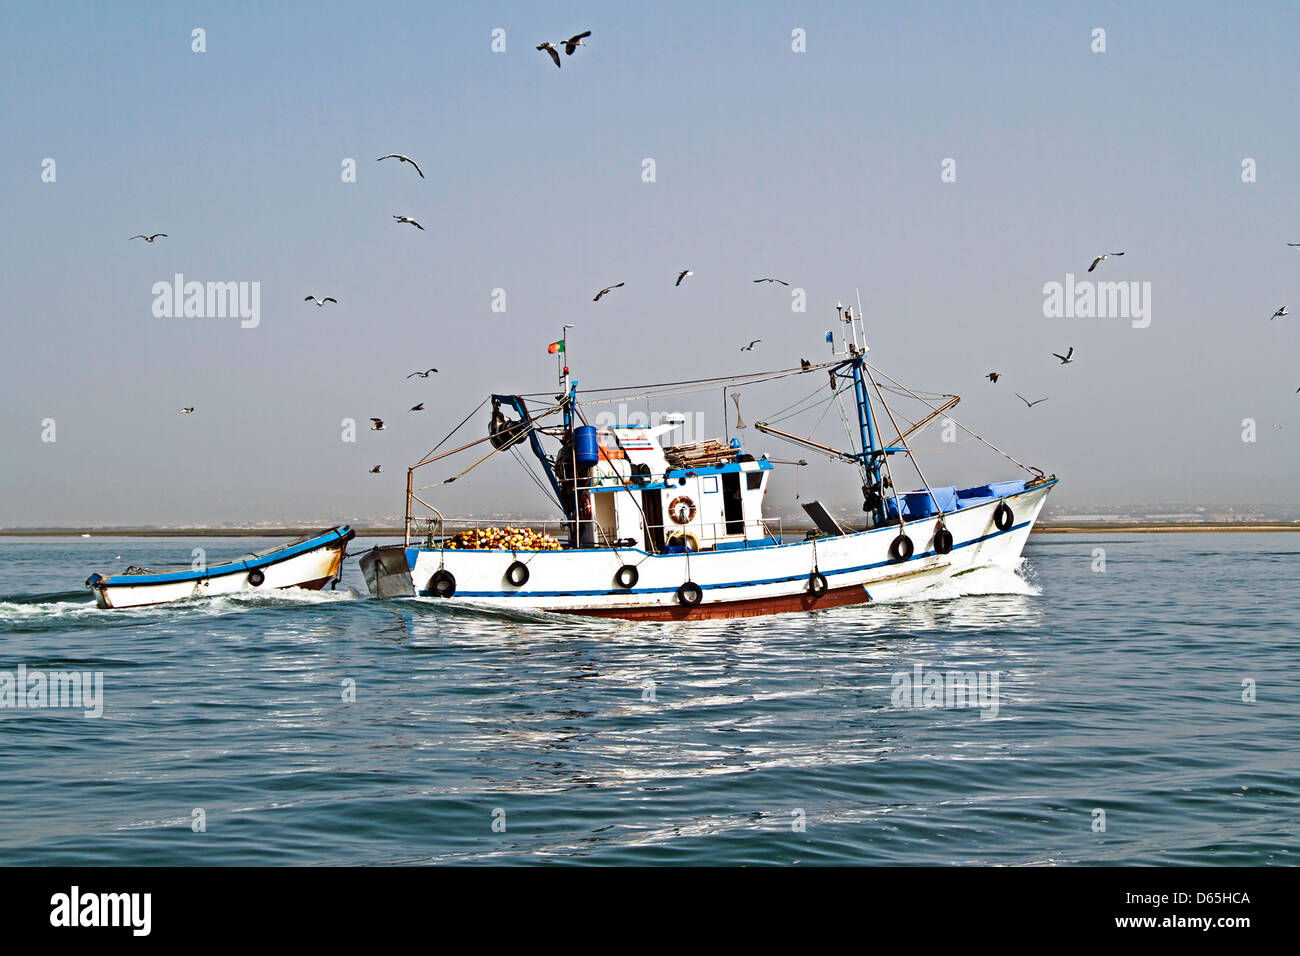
(822, 168)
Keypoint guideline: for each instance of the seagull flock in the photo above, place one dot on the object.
(1068, 357)
(570, 46)
(681, 276)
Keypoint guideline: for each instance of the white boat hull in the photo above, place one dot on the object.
(310, 568)
(741, 582)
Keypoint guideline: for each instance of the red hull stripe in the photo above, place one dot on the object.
(749, 607)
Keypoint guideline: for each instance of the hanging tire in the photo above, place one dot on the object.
(942, 541)
(817, 585)
(901, 549)
(690, 594)
(640, 474)
(627, 576)
(1003, 517)
(442, 584)
(517, 574)
(256, 577)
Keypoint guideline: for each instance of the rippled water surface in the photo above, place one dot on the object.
(484, 738)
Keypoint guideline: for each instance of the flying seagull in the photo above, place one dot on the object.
(410, 220)
(424, 374)
(1027, 401)
(607, 289)
(378, 425)
(1066, 359)
(156, 235)
(1279, 313)
(188, 411)
(993, 377)
(405, 159)
(573, 43)
(750, 346)
(417, 408)
(375, 469)
(682, 275)
(782, 281)
(321, 302)
(1104, 255)
(549, 47)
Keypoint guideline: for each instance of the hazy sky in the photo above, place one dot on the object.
(820, 167)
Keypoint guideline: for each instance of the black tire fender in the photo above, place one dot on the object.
(442, 584)
(942, 541)
(817, 584)
(690, 594)
(256, 577)
(1004, 517)
(902, 548)
(517, 574)
(627, 576)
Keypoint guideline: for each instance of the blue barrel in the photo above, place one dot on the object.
(585, 445)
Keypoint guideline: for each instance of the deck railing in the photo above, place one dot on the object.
(436, 534)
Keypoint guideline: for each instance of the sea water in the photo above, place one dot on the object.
(1117, 699)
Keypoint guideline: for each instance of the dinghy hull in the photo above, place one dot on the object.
(310, 563)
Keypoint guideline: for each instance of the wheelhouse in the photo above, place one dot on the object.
(694, 497)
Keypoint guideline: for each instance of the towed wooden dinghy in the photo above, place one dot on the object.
(310, 562)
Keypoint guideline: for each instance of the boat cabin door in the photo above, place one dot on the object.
(733, 508)
(652, 506)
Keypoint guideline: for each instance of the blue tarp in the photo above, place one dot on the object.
(922, 504)
(919, 504)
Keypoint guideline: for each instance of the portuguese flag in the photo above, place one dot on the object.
(555, 347)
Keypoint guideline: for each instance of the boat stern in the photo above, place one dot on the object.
(387, 572)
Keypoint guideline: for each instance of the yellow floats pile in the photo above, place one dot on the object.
(503, 539)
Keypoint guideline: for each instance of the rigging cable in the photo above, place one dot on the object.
(980, 438)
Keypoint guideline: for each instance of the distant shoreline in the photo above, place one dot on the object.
(1099, 527)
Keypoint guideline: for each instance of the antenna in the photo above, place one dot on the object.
(563, 356)
(864, 346)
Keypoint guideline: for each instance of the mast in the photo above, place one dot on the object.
(570, 387)
(853, 370)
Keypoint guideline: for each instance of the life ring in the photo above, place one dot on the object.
(817, 585)
(688, 540)
(627, 576)
(640, 474)
(681, 509)
(517, 574)
(1003, 517)
(942, 540)
(902, 548)
(584, 506)
(690, 594)
(442, 584)
(256, 577)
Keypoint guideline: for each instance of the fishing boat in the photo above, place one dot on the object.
(309, 562)
(663, 532)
